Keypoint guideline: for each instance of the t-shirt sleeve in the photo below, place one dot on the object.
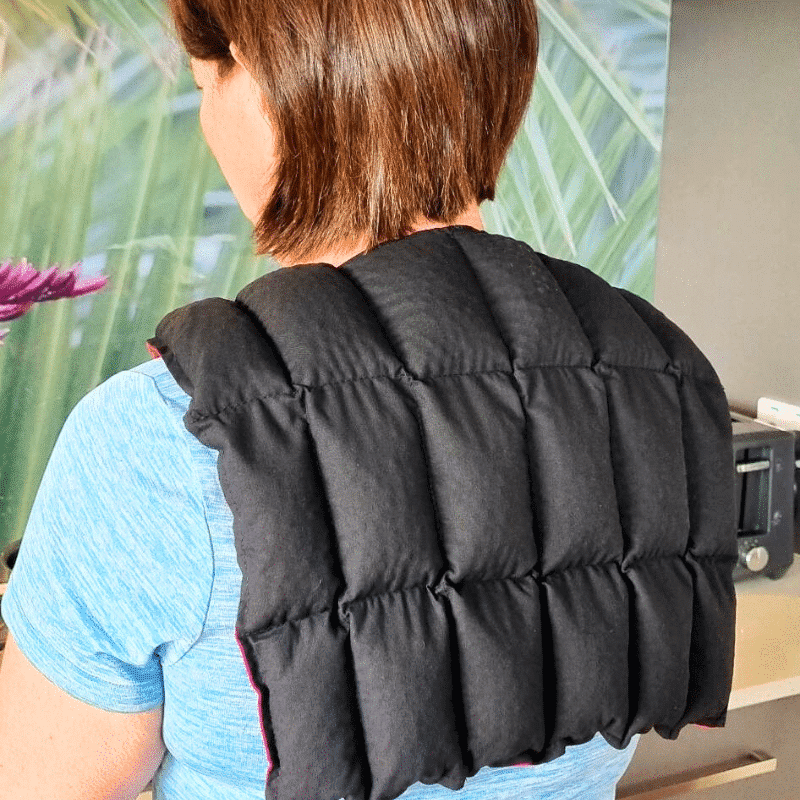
(114, 572)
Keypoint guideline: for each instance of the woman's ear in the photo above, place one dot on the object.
(237, 55)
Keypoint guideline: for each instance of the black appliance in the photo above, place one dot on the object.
(766, 462)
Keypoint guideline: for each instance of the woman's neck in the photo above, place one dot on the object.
(337, 257)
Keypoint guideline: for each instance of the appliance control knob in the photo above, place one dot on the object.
(756, 559)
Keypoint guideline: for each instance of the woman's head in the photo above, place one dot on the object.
(383, 111)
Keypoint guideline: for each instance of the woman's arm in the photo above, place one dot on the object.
(54, 747)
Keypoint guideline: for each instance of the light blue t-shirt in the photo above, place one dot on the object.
(126, 590)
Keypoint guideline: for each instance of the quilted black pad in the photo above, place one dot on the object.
(483, 505)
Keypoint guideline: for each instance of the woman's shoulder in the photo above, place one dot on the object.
(135, 408)
(117, 542)
(156, 370)
(149, 381)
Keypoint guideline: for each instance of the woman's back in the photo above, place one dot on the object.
(143, 571)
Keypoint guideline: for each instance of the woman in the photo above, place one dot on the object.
(361, 137)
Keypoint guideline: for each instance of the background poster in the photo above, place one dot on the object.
(103, 163)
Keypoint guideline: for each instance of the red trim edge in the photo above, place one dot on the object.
(152, 350)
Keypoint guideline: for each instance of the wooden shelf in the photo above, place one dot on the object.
(767, 656)
(749, 766)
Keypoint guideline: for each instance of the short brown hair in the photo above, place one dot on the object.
(383, 110)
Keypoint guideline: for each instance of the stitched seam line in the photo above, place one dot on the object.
(538, 577)
(197, 416)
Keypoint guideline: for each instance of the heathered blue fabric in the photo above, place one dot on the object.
(126, 590)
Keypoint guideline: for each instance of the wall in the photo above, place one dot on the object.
(728, 252)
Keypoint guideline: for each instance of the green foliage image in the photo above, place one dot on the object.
(102, 162)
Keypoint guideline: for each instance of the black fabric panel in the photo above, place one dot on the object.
(429, 306)
(306, 666)
(498, 631)
(577, 521)
(707, 437)
(616, 332)
(683, 353)
(217, 357)
(280, 521)
(315, 315)
(712, 547)
(647, 454)
(661, 624)
(509, 481)
(401, 650)
(589, 616)
(533, 316)
(710, 471)
(711, 657)
(370, 456)
(712, 552)
(474, 429)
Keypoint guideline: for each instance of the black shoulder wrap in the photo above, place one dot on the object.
(483, 506)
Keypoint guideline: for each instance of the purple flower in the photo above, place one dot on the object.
(23, 285)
